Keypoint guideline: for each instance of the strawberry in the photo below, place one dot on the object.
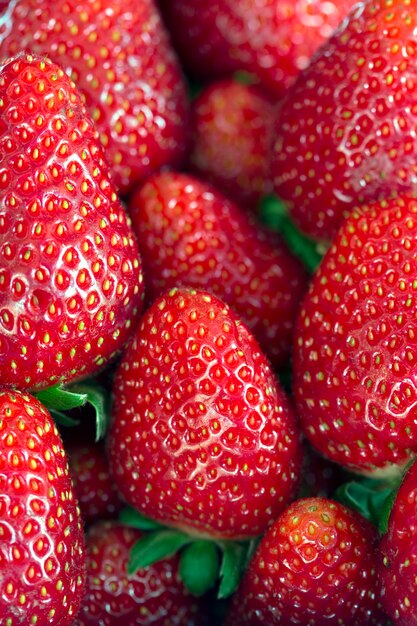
(119, 56)
(70, 272)
(202, 438)
(316, 565)
(271, 39)
(190, 234)
(42, 559)
(231, 140)
(355, 355)
(346, 131)
(398, 554)
(152, 595)
(97, 495)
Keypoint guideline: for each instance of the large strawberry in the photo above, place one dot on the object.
(231, 125)
(70, 273)
(355, 357)
(315, 566)
(272, 39)
(152, 595)
(119, 56)
(347, 130)
(42, 560)
(202, 437)
(191, 234)
(398, 555)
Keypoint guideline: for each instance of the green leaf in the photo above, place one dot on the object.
(97, 397)
(234, 556)
(273, 213)
(63, 420)
(366, 498)
(199, 566)
(156, 546)
(61, 398)
(132, 517)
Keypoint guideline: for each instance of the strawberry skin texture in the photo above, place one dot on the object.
(119, 56)
(232, 127)
(191, 234)
(96, 493)
(346, 131)
(355, 352)
(70, 271)
(315, 566)
(42, 554)
(202, 437)
(271, 39)
(152, 596)
(398, 555)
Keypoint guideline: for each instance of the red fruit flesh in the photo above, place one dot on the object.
(355, 353)
(119, 56)
(315, 566)
(42, 572)
(398, 555)
(346, 132)
(202, 437)
(189, 234)
(152, 596)
(70, 272)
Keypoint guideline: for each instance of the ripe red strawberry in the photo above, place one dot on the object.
(119, 56)
(96, 492)
(42, 559)
(316, 565)
(202, 436)
(346, 132)
(272, 39)
(70, 273)
(190, 234)
(232, 140)
(153, 595)
(398, 555)
(355, 355)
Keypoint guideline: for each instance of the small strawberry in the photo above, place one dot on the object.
(190, 234)
(97, 495)
(355, 356)
(119, 56)
(315, 566)
(70, 272)
(398, 555)
(271, 39)
(202, 437)
(232, 126)
(42, 569)
(152, 595)
(346, 132)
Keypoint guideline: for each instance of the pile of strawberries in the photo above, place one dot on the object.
(208, 313)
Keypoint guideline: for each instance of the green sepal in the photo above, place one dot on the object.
(274, 215)
(199, 566)
(155, 546)
(234, 559)
(132, 517)
(59, 398)
(367, 499)
(245, 78)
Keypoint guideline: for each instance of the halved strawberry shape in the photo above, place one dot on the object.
(120, 58)
(315, 566)
(346, 131)
(42, 555)
(191, 234)
(70, 272)
(355, 358)
(202, 438)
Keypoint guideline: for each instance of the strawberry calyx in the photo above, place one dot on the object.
(373, 498)
(205, 563)
(273, 214)
(61, 399)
